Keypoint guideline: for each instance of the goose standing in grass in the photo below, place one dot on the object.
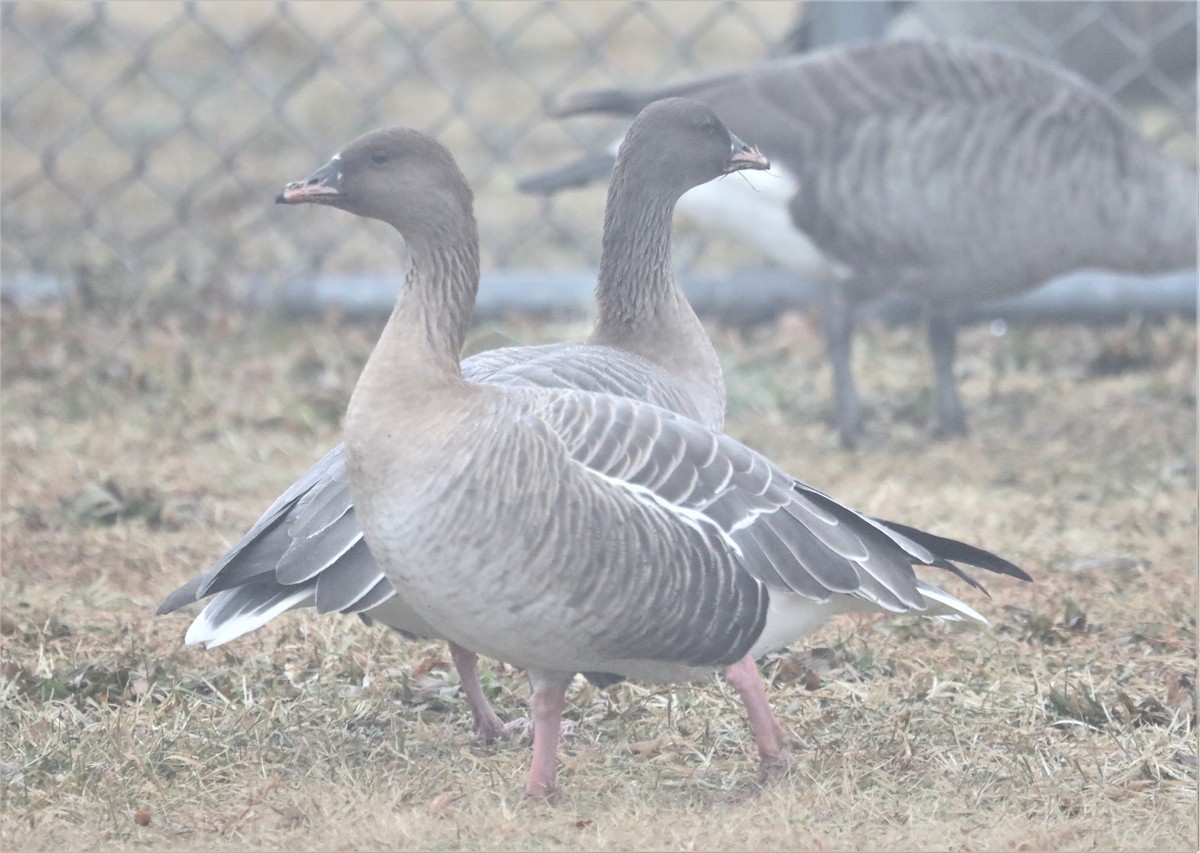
(947, 171)
(307, 549)
(565, 531)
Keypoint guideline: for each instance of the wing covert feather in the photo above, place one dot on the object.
(784, 534)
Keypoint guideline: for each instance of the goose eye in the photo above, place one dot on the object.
(379, 158)
(708, 125)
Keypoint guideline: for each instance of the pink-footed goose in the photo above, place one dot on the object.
(307, 549)
(949, 171)
(565, 531)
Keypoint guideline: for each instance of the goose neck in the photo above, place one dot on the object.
(636, 284)
(423, 339)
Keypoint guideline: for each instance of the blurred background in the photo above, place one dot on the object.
(141, 144)
(147, 418)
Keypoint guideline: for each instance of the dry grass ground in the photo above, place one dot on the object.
(134, 451)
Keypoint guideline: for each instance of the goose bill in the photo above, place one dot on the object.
(743, 156)
(323, 185)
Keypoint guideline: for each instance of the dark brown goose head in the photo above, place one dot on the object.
(398, 175)
(679, 143)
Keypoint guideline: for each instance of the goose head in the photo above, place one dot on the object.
(679, 143)
(398, 175)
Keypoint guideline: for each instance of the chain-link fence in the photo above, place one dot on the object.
(142, 143)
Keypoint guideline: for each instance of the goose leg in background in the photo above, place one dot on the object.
(768, 736)
(837, 324)
(488, 725)
(951, 417)
(547, 701)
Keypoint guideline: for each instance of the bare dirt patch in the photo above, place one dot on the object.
(135, 450)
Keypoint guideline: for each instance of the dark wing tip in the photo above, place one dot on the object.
(952, 549)
(186, 594)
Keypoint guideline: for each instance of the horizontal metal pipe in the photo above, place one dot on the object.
(743, 297)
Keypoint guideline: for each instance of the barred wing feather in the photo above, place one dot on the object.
(789, 537)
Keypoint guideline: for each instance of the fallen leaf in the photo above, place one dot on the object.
(1181, 695)
(428, 665)
(438, 804)
(646, 748)
(1074, 618)
(292, 816)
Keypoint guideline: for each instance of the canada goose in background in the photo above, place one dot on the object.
(565, 531)
(946, 171)
(307, 548)
(1137, 52)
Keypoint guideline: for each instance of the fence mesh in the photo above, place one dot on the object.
(141, 144)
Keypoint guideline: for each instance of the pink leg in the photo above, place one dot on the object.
(744, 677)
(547, 703)
(488, 726)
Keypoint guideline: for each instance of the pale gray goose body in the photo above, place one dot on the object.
(307, 549)
(948, 171)
(566, 531)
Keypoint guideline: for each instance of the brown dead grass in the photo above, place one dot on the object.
(134, 451)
